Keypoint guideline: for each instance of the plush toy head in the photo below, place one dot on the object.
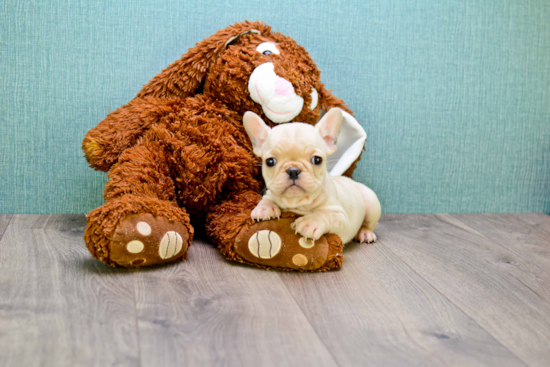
(279, 77)
(250, 68)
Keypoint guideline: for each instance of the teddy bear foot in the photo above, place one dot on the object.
(273, 244)
(144, 240)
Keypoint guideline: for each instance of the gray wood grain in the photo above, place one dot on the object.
(208, 312)
(435, 290)
(501, 291)
(4, 221)
(529, 241)
(58, 306)
(538, 220)
(377, 311)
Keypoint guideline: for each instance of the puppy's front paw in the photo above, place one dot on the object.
(309, 226)
(365, 236)
(265, 212)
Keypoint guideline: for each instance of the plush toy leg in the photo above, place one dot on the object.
(141, 223)
(133, 231)
(268, 244)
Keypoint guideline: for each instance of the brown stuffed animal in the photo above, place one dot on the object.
(179, 156)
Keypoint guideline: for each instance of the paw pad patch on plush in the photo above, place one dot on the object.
(146, 240)
(170, 245)
(264, 244)
(271, 244)
(306, 242)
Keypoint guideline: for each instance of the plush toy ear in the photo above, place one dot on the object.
(351, 140)
(329, 128)
(257, 131)
(185, 76)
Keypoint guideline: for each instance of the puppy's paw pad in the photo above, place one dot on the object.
(265, 212)
(365, 236)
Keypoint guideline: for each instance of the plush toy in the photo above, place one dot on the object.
(178, 155)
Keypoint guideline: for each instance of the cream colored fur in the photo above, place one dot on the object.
(329, 204)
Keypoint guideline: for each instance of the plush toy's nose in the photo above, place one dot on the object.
(283, 87)
(275, 94)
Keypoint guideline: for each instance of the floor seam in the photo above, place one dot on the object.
(135, 275)
(309, 321)
(8, 225)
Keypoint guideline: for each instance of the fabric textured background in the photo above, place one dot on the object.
(454, 95)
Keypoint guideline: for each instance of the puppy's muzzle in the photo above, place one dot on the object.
(293, 173)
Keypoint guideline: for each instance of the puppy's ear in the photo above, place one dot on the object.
(329, 128)
(257, 131)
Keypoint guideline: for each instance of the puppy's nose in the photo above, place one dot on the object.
(293, 172)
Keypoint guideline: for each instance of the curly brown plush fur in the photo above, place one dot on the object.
(179, 150)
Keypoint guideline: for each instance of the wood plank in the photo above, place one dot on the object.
(4, 221)
(60, 307)
(377, 311)
(539, 220)
(501, 291)
(510, 231)
(208, 311)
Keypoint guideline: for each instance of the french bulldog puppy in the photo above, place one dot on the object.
(294, 158)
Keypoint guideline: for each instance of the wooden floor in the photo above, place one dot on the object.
(435, 290)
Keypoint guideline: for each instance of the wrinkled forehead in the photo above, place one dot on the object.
(284, 137)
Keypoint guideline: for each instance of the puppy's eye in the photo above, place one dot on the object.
(270, 162)
(267, 52)
(316, 160)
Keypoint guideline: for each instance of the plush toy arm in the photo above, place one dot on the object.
(121, 129)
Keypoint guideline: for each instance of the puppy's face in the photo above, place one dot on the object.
(294, 155)
(293, 161)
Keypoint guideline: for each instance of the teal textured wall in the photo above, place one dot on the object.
(454, 95)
